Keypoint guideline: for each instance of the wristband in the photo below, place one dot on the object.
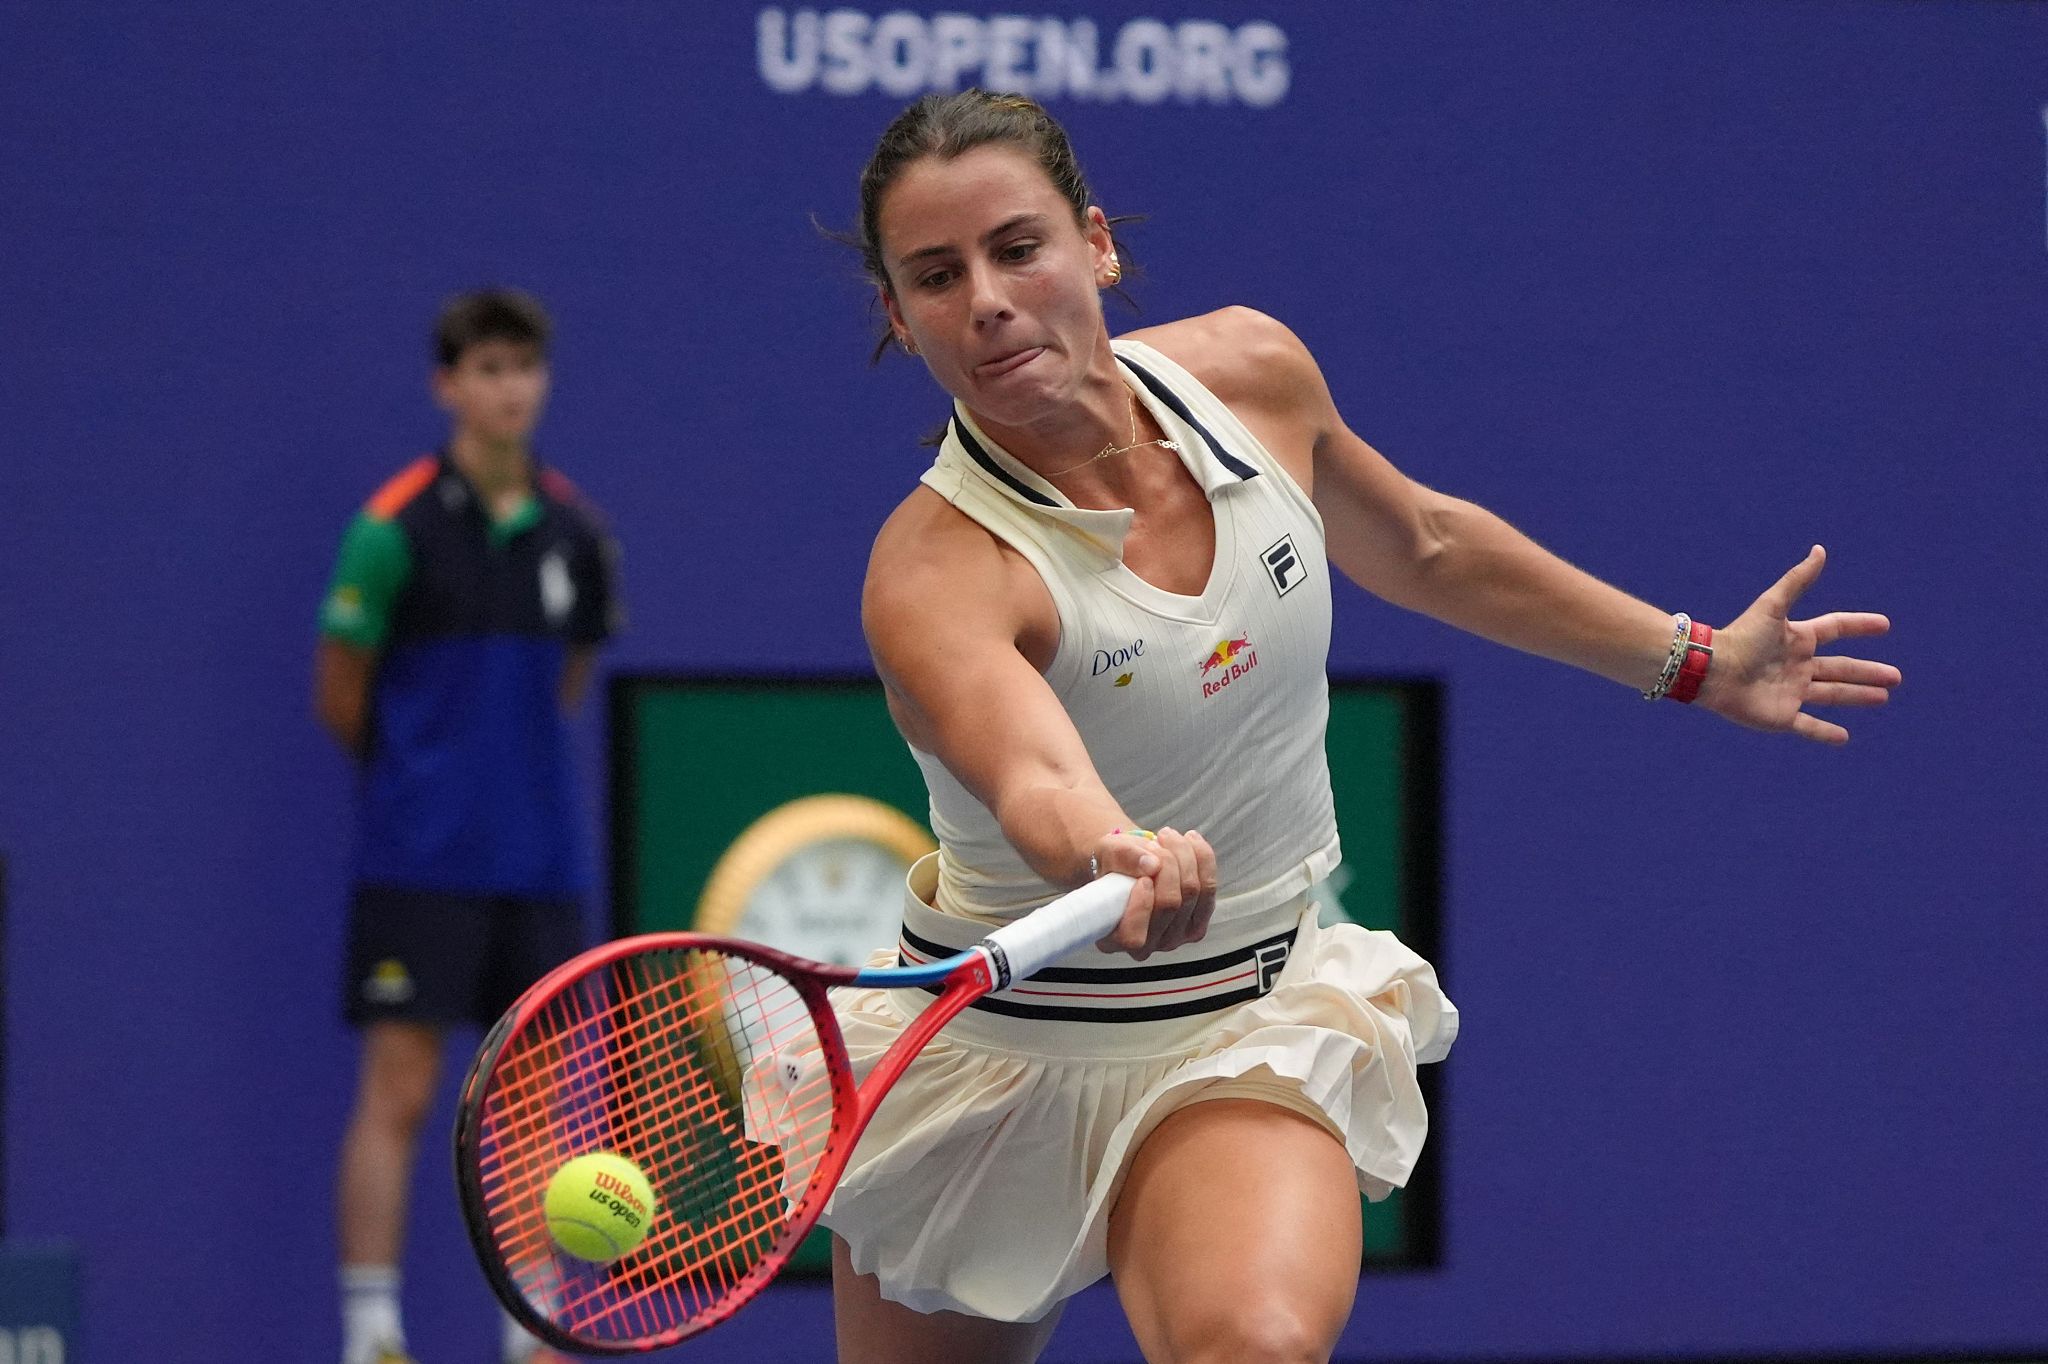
(1699, 656)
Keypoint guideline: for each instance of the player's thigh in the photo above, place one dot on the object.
(414, 956)
(873, 1330)
(1237, 1236)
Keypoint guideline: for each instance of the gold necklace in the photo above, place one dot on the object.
(1114, 449)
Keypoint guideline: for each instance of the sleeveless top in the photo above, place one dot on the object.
(1200, 712)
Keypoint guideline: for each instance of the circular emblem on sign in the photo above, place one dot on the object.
(821, 877)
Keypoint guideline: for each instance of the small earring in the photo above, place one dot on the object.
(1116, 271)
(909, 346)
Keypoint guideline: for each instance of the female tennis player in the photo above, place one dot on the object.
(1102, 620)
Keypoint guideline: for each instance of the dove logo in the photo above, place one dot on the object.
(1117, 660)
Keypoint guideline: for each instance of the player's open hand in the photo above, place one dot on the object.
(1176, 891)
(1768, 668)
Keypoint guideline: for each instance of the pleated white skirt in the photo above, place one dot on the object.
(985, 1182)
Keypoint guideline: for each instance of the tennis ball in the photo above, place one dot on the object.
(599, 1206)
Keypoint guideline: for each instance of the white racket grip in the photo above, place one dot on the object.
(1051, 931)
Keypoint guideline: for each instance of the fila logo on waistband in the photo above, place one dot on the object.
(1127, 994)
(1283, 565)
(1271, 959)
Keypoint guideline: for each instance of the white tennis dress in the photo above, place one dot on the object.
(985, 1183)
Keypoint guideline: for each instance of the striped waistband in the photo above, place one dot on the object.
(1181, 986)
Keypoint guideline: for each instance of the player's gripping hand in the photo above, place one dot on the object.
(1175, 894)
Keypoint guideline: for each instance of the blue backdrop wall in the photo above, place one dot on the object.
(1754, 1048)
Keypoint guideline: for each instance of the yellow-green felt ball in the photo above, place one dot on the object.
(599, 1206)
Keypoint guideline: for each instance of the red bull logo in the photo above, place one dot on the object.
(1229, 660)
(1223, 654)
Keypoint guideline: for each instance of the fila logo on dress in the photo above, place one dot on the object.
(1283, 565)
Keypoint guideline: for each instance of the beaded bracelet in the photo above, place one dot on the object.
(1681, 634)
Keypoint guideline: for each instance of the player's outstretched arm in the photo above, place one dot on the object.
(1466, 566)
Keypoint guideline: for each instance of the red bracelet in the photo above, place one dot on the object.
(1699, 656)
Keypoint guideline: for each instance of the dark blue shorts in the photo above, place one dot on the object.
(422, 956)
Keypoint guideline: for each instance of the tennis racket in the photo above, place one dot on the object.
(716, 1066)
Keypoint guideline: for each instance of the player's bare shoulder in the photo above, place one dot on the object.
(925, 541)
(1235, 351)
(1258, 368)
(935, 572)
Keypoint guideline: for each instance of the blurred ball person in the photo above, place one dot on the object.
(459, 633)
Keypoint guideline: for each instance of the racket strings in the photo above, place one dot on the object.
(707, 1072)
(699, 1104)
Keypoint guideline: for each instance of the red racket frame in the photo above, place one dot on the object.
(968, 976)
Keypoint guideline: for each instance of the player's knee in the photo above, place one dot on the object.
(1252, 1332)
(398, 1088)
(396, 1109)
